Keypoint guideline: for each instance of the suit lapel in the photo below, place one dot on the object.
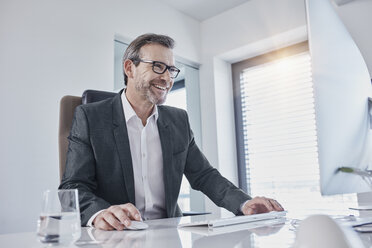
(165, 133)
(122, 145)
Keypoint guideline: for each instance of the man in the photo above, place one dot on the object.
(127, 154)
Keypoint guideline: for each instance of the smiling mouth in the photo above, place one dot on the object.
(159, 87)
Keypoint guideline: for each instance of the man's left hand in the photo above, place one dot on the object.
(260, 205)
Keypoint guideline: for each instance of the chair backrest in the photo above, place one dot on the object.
(96, 96)
(66, 114)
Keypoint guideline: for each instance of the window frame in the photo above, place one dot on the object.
(236, 70)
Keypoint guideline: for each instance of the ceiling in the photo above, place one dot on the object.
(203, 9)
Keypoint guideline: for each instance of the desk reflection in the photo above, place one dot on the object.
(243, 238)
(157, 235)
(164, 233)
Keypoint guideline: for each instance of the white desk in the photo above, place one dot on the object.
(164, 233)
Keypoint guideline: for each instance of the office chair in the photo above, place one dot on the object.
(66, 114)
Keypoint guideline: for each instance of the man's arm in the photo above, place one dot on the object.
(80, 167)
(202, 176)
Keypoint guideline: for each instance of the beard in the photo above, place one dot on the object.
(149, 92)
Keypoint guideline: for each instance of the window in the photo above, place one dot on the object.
(119, 49)
(276, 132)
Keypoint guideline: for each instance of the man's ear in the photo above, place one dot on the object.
(128, 68)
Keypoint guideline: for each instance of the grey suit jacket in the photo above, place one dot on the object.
(99, 162)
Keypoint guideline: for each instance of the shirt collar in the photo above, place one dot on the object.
(129, 111)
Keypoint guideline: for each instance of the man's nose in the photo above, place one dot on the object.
(167, 76)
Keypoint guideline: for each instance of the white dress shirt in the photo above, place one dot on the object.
(147, 161)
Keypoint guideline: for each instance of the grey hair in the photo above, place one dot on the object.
(133, 50)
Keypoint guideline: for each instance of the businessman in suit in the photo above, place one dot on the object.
(127, 154)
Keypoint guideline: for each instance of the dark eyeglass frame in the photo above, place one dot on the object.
(167, 67)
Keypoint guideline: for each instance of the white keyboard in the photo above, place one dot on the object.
(237, 219)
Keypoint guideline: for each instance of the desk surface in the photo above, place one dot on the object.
(164, 233)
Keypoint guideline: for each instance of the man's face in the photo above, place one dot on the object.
(150, 86)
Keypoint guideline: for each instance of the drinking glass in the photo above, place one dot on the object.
(59, 222)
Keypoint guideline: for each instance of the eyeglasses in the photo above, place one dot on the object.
(160, 67)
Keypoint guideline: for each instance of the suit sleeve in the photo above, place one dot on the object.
(202, 176)
(80, 168)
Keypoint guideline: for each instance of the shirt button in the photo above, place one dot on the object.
(143, 155)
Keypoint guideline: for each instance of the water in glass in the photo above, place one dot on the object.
(59, 221)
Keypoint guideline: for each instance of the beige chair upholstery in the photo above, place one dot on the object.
(66, 113)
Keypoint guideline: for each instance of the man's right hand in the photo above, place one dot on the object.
(117, 217)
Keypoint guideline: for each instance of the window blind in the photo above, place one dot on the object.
(280, 139)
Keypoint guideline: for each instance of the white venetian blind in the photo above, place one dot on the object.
(280, 141)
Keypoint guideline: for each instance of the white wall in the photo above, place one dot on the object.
(253, 28)
(51, 48)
